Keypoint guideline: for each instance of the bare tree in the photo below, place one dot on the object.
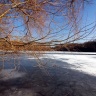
(49, 21)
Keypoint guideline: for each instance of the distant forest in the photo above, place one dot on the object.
(83, 47)
(89, 46)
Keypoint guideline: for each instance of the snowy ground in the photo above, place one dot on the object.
(53, 74)
(85, 62)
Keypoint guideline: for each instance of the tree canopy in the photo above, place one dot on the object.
(49, 21)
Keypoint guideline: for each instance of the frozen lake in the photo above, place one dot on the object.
(53, 74)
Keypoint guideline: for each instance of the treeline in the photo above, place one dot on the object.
(84, 47)
(22, 46)
(35, 46)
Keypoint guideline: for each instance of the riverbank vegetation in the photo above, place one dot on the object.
(37, 46)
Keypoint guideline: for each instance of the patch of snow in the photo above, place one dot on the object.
(84, 63)
(10, 74)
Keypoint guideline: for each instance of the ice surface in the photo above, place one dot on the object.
(85, 63)
(80, 61)
(70, 74)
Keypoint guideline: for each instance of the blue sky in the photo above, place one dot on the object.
(89, 16)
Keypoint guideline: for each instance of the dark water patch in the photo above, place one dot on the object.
(49, 79)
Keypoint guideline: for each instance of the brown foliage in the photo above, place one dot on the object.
(21, 46)
(33, 20)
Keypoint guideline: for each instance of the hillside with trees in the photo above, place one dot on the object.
(37, 46)
(76, 47)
